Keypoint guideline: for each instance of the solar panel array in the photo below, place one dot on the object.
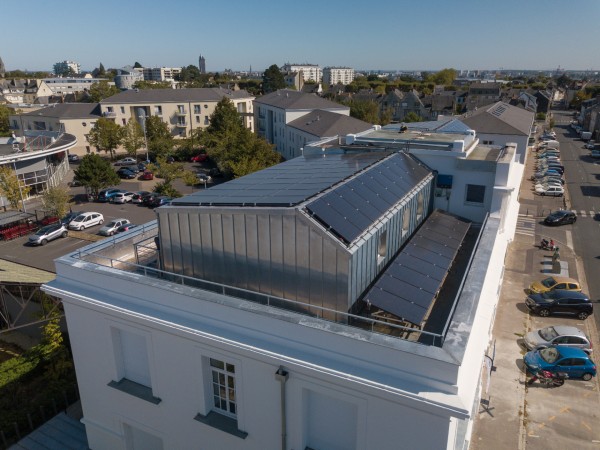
(285, 184)
(411, 282)
(348, 210)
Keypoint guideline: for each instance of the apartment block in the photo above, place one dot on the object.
(335, 75)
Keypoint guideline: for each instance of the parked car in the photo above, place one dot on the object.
(70, 216)
(138, 196)
(557, 335)
(595, 153)
(126, 173)
(126, 227)
(170, 159)
(555, 282)
(551, 178)
(560, 217)
(161, 200)
(73, 158)
(562, 302)
(547, 184)
(106, 194)
(573, 361)
(134, 168)
(591, 145)
(141, 166)
(112, 227)
(122, 197)
(546, 172)
(147, 175)
(86, 220)
(126, 161)
(554, 191)
(203, 178)
(199, 158)
(48, 233)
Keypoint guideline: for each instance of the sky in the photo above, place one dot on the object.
(237, 34)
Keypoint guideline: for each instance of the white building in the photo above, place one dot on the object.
(335, 75)
(302, 306)
(161, 73)
(272, 113)
(67, 68)
(127, 76)
(71, 85)
(310, 72)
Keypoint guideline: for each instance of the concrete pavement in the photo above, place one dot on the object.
(512, 415)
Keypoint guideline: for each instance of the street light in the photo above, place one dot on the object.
(143, 118)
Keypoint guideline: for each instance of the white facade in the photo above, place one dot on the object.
(335, 75)
(309, 71)
(161, 73)
(66, 66)
(60, 86)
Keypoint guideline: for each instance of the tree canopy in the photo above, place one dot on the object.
(5, 111)
(145, 84)
(160, 140)
(272, 79)
(106, 135)
(56, 199)
(133, 137)
(12, 188)
(101, 90)
(96, 173)
(137, 65)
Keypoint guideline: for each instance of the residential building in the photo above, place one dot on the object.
(316, 290)
(127, 77)
(294, 79)
(335, 75)
(317, 125)
(275, 110)
(482, 94)
(184, 110)
(71, 85)
(67, 68)
(310, 72)
(202, 64)
(161, 73)
(544, 101)
(14, 90)
(501, 123)
(76, 119)
(2, 69)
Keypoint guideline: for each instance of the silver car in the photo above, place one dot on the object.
(557, 335)
(112, 227)
(86, 220)
(48, 233)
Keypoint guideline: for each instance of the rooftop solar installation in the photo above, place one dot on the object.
(409, 285)
(349, 209)
(286, 184)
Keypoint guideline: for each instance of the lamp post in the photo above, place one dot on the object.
(143, 117)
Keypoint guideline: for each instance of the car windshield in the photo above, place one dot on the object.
(43, 231)
(548, 333)
(111, 224)
(79, 218)
(550, 355)
(549, 282)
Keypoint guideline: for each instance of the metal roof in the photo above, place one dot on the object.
(289, 99)
(175, 95)
(409, 285)
(323, 123)
(11, 216)
(286, 184)
(11, 272)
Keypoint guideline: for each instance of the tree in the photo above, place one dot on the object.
(106, 135)
(160, 141)
(190, 178)
(164, 188)
(100, 71)
(101, 90)
(145, 84)
(133, 137)
(5, 111)
(444, 76)
(412, 117)
(168, 172)
(12, 188)
(95, 173)
(365, 110)
(273, 79)
(56, 199)
(137, 65)
(190, 73)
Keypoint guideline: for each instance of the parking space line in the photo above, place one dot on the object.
(569, 238)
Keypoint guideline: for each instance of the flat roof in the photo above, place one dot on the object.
(413, 136)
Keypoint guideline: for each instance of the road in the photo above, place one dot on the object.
(582, 174)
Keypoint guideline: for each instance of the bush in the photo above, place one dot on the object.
(540, 116)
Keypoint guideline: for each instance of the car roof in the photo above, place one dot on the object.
(566, 293)
(571, 352)
(560, 279)
(567, 330)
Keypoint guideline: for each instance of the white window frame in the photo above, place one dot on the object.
(223, 392)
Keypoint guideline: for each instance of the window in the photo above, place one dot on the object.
(382, 247)
(405, 222)
(475, 194)
(124, 121)
(488, 142)
(223, 387)
(158, 110)
(420, 205)
(206, 120)
(83, 124)
(196, 109)
(122, 110)
(109, 109)
(197, 119)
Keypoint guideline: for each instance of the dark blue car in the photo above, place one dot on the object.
(573, 361)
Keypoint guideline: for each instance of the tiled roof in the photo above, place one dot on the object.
(69, 111)
(322, 123)
(289, 99)
(500, 118)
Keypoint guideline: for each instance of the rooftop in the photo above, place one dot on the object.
(175, 95)
(68, 111)
(500, 118)
(290, 99)
(323, 123)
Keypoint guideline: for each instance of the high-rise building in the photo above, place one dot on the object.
(66, 68)
(310, 72)
(202, 64)
(2, 68)
(335, 75)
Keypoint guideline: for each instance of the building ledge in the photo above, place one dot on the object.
(221, 422)
(135, 389)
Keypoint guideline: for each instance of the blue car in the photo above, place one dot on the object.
(106, 194)
(573, 361)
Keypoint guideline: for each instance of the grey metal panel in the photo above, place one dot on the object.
(330, 276)
(241, 260)
(175, 243)
(264, 253)
(252, 252)
(303, 262)
(206, 266)
(290, 241)
(228, 249)
(276, 259)
(165, 242)
(196, 244)
(218, 259)
(316, 268)
(187, 260)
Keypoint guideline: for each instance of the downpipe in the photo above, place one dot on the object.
(282, 375)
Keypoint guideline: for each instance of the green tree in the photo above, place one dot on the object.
(190, 73)
(133, 137)
(444, 76)
(56, 199)
(579, 98)
(164, 188)
(160, 140)
(190, 178)
(272, 79)
(106, 135)
(540, 116)
(168, 172)
(96, 173)
(12, 188)
(101, 90)
(145, 84)
(5, 111)
(137, 65)
(412, 117)
(365, 110)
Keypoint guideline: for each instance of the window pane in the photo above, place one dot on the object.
(216, 363)
(215, 377)
(475, 193)
(232, 408)
(230, 368)
(217, 401)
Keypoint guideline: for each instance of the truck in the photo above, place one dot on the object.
(586, 135)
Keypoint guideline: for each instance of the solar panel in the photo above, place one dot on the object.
(409, 285)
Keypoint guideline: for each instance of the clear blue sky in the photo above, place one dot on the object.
(384, 34)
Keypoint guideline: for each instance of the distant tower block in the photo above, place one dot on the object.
(2, 69)
(202, 64)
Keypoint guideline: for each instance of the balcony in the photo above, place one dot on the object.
(109, 114)
(181, 112)
(181, 124)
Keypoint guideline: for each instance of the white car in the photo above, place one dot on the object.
(554, 191)
(86, 220)
(129, 161)
(112, 227)
(547, 183)
(122, 197)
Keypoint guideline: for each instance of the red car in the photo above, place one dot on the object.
(147, 175)
(199, 158)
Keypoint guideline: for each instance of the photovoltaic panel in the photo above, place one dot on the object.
(409, 285)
